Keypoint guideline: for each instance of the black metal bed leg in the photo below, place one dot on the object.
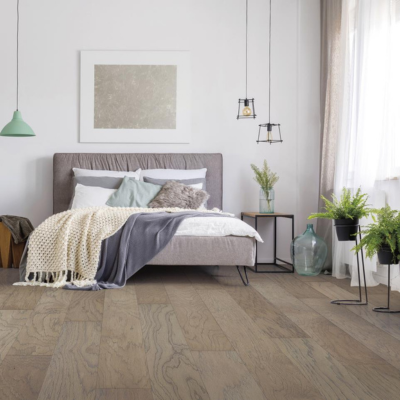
(245, 282)
(358, 302)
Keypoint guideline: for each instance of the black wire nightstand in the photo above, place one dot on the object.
(283, 270)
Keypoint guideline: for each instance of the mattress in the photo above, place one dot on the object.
(216, 226)
(207, 250)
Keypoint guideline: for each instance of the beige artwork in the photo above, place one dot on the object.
(135, 96)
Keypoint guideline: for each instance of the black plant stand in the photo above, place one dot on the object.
(359, 301)
(387, 309)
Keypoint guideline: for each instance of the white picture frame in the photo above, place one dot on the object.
(180, 133)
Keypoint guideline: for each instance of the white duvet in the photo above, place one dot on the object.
(216, 226)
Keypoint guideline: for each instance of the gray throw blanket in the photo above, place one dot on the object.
(123, 254)
(19, 227)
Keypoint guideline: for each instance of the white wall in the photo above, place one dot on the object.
(53, 33)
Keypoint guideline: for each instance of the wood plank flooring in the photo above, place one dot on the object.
(197, 333)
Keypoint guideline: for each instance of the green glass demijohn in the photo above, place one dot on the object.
(308, 252)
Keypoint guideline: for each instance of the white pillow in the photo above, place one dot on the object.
(196, 185)
(91, 196)
(174, 173)
(115, 174)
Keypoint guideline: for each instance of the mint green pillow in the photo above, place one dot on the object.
(133, 193)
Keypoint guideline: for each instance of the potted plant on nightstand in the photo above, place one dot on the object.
(266, 179)
(382, 237)
(346, 213)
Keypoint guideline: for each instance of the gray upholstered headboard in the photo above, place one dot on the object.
(64, 162)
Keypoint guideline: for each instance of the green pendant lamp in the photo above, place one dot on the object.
(17, 127)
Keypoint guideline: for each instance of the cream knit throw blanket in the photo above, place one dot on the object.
(71, 242)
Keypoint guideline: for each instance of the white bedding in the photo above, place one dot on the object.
(216, 226)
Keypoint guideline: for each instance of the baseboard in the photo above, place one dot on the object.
(381, 274)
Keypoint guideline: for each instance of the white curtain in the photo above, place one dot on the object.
(368, 147)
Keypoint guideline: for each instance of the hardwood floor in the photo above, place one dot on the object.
(197, 333)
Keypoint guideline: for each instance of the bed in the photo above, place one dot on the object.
(181, 250)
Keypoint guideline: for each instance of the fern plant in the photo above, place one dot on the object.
(347, 207)
(384, 231)
(265, 177)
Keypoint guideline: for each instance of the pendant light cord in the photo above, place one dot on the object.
(247, 18)
(269, 67)
(17, 50)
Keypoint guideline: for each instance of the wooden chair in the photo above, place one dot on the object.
(10, 253)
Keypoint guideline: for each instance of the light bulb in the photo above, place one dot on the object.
(269, 132)
(246, 111)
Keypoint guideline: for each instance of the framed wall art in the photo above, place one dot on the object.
(135, 97)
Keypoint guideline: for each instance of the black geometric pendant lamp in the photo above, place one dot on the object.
(246, 106)
(267, 130)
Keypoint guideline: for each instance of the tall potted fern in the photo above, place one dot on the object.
(266, 179)
(382, 237)
(345, 212)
